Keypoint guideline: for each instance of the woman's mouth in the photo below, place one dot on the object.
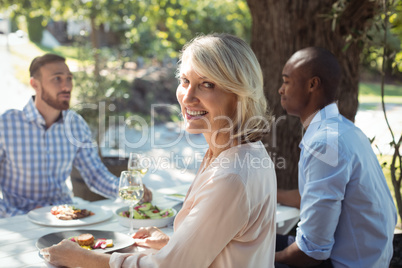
(192, 114)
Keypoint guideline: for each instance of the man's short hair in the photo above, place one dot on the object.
(322, 63)
(40, 61)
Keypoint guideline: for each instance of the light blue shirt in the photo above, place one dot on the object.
(35, 162)
(346, 211)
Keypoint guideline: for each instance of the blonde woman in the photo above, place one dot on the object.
(228, 216)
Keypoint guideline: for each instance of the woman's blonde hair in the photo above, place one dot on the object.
(231, 64)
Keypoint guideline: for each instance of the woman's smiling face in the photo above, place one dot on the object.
(205, 106)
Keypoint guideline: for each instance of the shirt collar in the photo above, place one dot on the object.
(32, 114)
(329, 111)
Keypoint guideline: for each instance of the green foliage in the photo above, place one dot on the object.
(396, 19)
(370, 94)
(374, 40)
(151, 28)
(109, 86)
(35, 28)
(385, 161)
(148, 29)
(160, 28)
(14, 24)
(396, 22)
(375, 89)
(388, 11)
(99, 99)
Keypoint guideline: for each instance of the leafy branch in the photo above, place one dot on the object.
(396, 157)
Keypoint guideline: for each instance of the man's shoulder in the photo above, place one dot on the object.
(335, 126)
(11, 114)
(73, 116)
(337, 135)
(75, 123)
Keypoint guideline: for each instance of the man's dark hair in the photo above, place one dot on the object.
(38, 62)
(322, 63)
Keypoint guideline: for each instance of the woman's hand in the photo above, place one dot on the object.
(151, 237)
(70, 254)
(62, 254)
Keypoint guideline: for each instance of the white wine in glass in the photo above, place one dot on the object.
(132, 193)
(135, 164)
(131, 190)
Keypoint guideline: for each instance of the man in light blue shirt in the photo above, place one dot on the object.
(347, 215)
(40, 144)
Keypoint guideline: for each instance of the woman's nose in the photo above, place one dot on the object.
(190, 95)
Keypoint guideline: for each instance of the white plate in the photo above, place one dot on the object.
(120, 240)
(138, 223)
(43, 216)
(176, 197)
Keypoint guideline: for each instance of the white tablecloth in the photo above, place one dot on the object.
(18, 235)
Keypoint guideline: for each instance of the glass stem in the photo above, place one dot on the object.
(131, 231)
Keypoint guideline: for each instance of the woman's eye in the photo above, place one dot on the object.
(183, 81)
(208, 85)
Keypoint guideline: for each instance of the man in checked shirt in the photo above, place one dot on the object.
(40, 144)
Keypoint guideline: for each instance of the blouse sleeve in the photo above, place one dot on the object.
(217, 215)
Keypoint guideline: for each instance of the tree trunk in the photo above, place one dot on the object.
(279, 29)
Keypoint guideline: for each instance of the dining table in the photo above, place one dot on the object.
(19, 235)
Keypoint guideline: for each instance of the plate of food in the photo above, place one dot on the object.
(146, 214)
(69, 215)
(99, 241)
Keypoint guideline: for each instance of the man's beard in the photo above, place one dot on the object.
(53, 102)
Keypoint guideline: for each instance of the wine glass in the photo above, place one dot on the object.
(135, 165)
(131, 190)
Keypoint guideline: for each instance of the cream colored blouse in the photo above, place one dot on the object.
(227, 219)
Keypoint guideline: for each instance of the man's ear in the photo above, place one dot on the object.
(314, 83)
(34, 83)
